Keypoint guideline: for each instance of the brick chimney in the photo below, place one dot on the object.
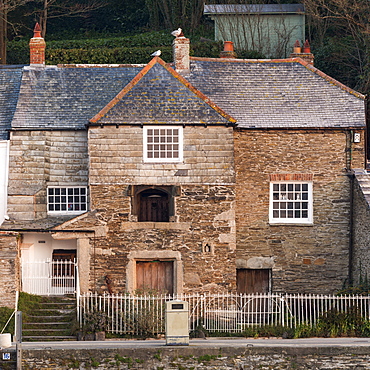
(304, 53)
(228, 51)
(181, 51)
(37, 47)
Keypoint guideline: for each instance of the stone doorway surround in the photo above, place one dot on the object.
(161, 255)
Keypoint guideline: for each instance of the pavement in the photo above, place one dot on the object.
(202, 343)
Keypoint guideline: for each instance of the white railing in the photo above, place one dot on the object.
(129, 314)
(50, 277)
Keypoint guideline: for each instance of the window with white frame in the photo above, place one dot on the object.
(291, 202)
(67, 199)
(163, 144)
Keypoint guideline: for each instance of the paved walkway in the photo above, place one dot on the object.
(209, 342)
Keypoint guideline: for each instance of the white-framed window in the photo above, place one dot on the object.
(67, 199)
(291, 202)
(163, 144)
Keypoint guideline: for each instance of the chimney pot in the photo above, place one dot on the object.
(297, 47)
(304, 54)
(306, 47)
(228, 51)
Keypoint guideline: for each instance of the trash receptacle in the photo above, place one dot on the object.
(177, 323)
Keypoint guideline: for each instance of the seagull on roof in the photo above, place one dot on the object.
(177, 32)
(156, 53)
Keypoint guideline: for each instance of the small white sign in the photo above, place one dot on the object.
(6, 356)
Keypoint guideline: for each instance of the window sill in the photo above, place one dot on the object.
(155, 225)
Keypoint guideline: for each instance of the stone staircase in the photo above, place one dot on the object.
(53, 319)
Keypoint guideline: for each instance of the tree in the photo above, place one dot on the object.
(342, 28)
(6, 6)
(64, 8)
(172, 14)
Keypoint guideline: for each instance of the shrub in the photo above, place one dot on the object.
(5, 314)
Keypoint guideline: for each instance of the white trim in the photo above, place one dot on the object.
(293, 220)
(177, 159)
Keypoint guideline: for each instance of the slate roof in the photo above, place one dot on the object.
(159, 95)
(253, 9)
(257, 93)
(67, 97)
(10, 79)
(277, 93)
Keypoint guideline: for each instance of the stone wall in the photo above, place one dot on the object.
(204, 214)
(200, 238)
(361, 228)
(194, 357)
(116, 157)
(39, 159)
(9, 271)
(304, 258)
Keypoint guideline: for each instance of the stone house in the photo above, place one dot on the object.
(202, 175)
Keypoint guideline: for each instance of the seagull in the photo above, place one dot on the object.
(177, 32)
(156, 53)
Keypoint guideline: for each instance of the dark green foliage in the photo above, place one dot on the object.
(334, 323)
(335, 56)
(5, 314)
(117, 50)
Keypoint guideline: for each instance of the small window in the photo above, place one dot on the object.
(67, 199)
(291, 202)
(163, 144)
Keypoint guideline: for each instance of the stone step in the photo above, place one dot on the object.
(50, 320)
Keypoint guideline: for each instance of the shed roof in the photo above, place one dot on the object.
(218, 9)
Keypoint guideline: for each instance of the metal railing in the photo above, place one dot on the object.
(130, 314)
(49, 277)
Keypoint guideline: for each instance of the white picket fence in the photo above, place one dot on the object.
(129, 314)
(49, 277)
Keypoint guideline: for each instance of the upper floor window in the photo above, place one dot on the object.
(67, 199)
(163, 144)
(291, 202)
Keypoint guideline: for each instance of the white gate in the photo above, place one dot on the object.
(50, 277)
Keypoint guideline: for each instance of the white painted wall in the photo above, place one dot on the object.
(39, 247)
(4, 168)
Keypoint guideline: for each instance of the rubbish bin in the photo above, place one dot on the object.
(177, 323)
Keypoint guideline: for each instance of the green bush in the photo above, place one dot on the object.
(134, 49)
(334, 323)
(5, 314)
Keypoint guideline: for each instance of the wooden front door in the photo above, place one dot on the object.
(155, 275)
(154, 206)
(253, 281)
